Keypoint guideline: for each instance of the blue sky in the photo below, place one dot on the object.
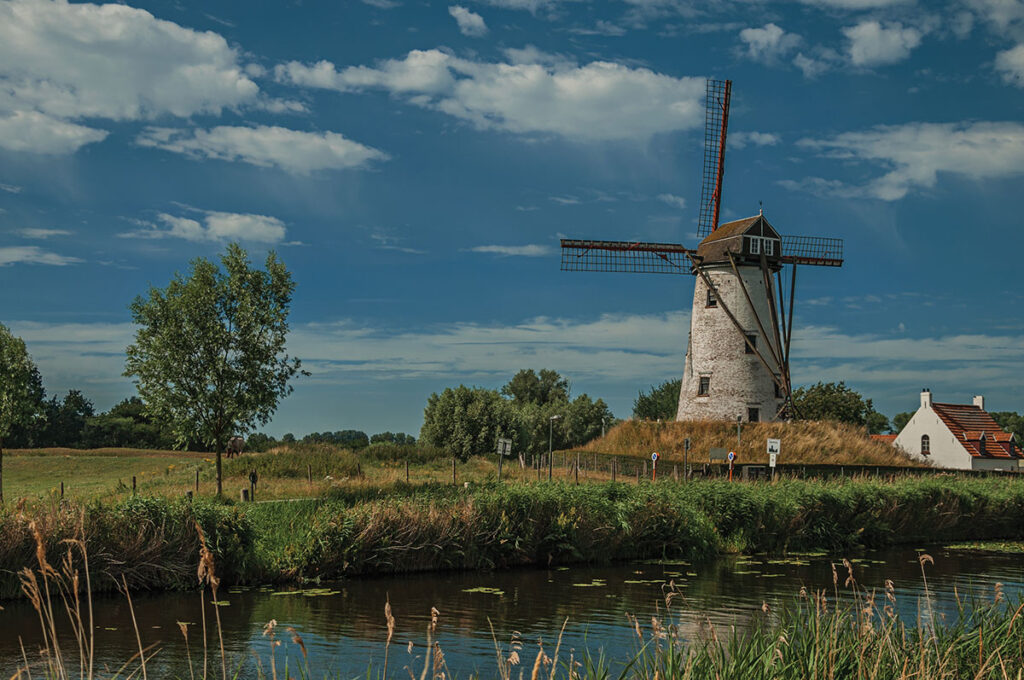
(414, 163)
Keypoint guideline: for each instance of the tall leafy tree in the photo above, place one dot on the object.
(836, 401)
(467, 420)
(528, 387)
(900, 420)
(209, 355)
(661, 403)
(21, 390)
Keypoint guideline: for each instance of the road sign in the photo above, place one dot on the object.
(774, 446)
(655, 456)
(732, 456)
(771, 459)
(504, 447)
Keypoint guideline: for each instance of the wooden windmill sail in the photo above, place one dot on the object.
(738, 354)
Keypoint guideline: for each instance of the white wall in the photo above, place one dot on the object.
(717, 348)
(946, 451)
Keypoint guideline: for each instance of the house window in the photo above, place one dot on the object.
(755, 245)
(751, 344)
(712, 300)
(704, 388)
(753, 415)
(926, 445)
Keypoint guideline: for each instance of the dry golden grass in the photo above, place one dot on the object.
(803, 442)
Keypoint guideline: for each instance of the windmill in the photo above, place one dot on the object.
(737, 358)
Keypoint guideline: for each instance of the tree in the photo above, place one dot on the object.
(661, 403)
(392, 438)
(467, 420)
(526, 387)
(836, 401)
(21, 389)
(1011, 422)
(64, 421)
(900, 420)
(209, 355)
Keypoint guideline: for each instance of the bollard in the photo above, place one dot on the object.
(243, 495)
(407, 472)
(133, 483)
(453, 471)
(197, 482)
(499, 468)
(62, 489)
(188, 495)
(309, 474)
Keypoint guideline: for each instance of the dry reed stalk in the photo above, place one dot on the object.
(183, 627)
(135, 626)
(390, 620)
(207, 574)
(268, 631)
(558, 646)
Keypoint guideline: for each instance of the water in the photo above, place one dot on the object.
(343, 628)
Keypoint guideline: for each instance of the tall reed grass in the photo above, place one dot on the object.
(492, 526)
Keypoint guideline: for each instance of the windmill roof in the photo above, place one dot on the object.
(730, 229)
(970, 425)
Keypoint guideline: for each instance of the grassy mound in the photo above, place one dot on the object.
(806, 442)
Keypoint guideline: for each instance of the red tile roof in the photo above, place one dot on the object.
(886, 438)
(976, 430)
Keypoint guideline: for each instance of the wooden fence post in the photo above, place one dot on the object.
(407, 471)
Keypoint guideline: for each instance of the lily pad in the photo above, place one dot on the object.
(485, 589)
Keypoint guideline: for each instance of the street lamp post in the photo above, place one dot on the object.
(604, 422)
(551, 422)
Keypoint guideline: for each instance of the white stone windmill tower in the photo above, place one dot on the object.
(737, 357)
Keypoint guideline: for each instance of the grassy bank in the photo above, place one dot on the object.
(364, 530)
(807, 442)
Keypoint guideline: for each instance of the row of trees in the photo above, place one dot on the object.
(821, 401)
(529, 409)
(351, 439)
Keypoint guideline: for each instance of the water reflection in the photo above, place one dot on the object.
(343, 627)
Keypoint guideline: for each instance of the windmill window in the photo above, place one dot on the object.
(926, 445)
(769, 246)
(753, 415)
(712, 300)
(704, 387)
(755, 245)
(778, 390)
(751, 345)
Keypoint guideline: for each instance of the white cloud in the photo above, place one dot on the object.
(470, 23)
(33, 255)
(916, 153)
(531, 250)
(598, 101)
(532, 6)
(739, 140)
(61, 61)
(382, 4)
(1005, 17)
(768, 43)
(1010, 63)
(602, 27)
(672, 200)
(42, 234)
(811, 67)
(291, 150)
(214, 226)
(35, 132)
(10, 188)
(872, 44)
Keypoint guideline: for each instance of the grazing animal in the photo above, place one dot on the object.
(235, 446)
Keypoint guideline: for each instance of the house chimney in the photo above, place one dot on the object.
(926, 398)
(979, 401)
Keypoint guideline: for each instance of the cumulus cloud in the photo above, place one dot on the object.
(855, 4)
(213, 226)
(872, 43)
(1010, 63)
(42, 234)
(672, 200)
(768, 43)
(531, 250)
(470, 23)
(291, 150)
(739, 140)
(33, 255)
(594, 102)
(915, 154)
(61, 61)
(35, 132)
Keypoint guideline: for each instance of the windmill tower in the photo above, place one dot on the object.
(737, 355)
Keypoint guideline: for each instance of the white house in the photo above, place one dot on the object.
(959, 436)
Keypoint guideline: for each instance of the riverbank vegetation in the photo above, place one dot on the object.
(358, 529)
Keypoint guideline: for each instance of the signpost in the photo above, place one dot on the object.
(732, 457)
(654, 466)
(774, 448)
(504, 449)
